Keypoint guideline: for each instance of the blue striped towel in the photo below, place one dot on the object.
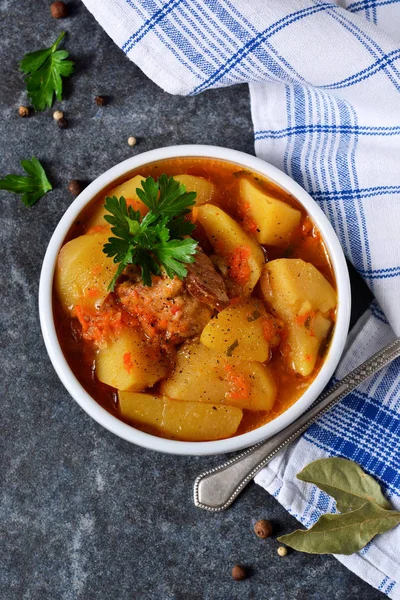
(325, 97)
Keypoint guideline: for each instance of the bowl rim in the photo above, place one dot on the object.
(128, 432)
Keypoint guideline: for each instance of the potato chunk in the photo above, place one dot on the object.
(129, 363)
(143, 409)
(198, 376)
(205, 189)
(271, 220)
(192, 421)
(229, 240)
(202, 375)
(83, 271)
(250, 385)
(304, 342)
(302, 297)
(189, 421)
(292, 281)
(237, 331)
(128, 191)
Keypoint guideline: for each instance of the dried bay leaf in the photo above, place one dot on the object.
(354, 491)
(345, 481)
(343, 533)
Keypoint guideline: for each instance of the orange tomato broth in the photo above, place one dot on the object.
(305, 242)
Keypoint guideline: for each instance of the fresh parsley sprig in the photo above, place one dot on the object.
(158, 239)
(32, 186)
(166, 196)
(43, 72)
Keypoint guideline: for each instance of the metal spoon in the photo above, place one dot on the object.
(217, 488)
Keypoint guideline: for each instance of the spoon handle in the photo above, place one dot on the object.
(217, 488)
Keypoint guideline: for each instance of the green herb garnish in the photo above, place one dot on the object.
(232, 347)
(254, 316)
(32, 186)
(156, 240)
(43, 71)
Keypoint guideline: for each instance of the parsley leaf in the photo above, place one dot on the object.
(158, 239)
(179, 227)
(166, 196)
(32, 186)
(172, 253)
(232, 347)
(254, 316)
(43, 71)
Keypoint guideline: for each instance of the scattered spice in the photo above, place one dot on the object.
(282, 551)
(263, 529)
(75, 187)
(239, 573)
(59, 10)
(100, 100)
(23, 111)
(62, 123)
(132, 141)
(57, 115)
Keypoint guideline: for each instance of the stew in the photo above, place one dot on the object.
(223, 350)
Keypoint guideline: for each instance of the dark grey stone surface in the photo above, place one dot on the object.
(84, 514)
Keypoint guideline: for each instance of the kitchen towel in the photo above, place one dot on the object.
(324, 83)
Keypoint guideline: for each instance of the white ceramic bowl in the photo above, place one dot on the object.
(128, 432)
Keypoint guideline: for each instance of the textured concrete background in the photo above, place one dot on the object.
(86, 515)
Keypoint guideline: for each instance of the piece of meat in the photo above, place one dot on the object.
(164, 310)
(204, 283)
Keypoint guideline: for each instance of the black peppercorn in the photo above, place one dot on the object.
(100, 100)
(239, 573)
(62, 123)
(59, 10)
(263, 529)
(75, 187)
